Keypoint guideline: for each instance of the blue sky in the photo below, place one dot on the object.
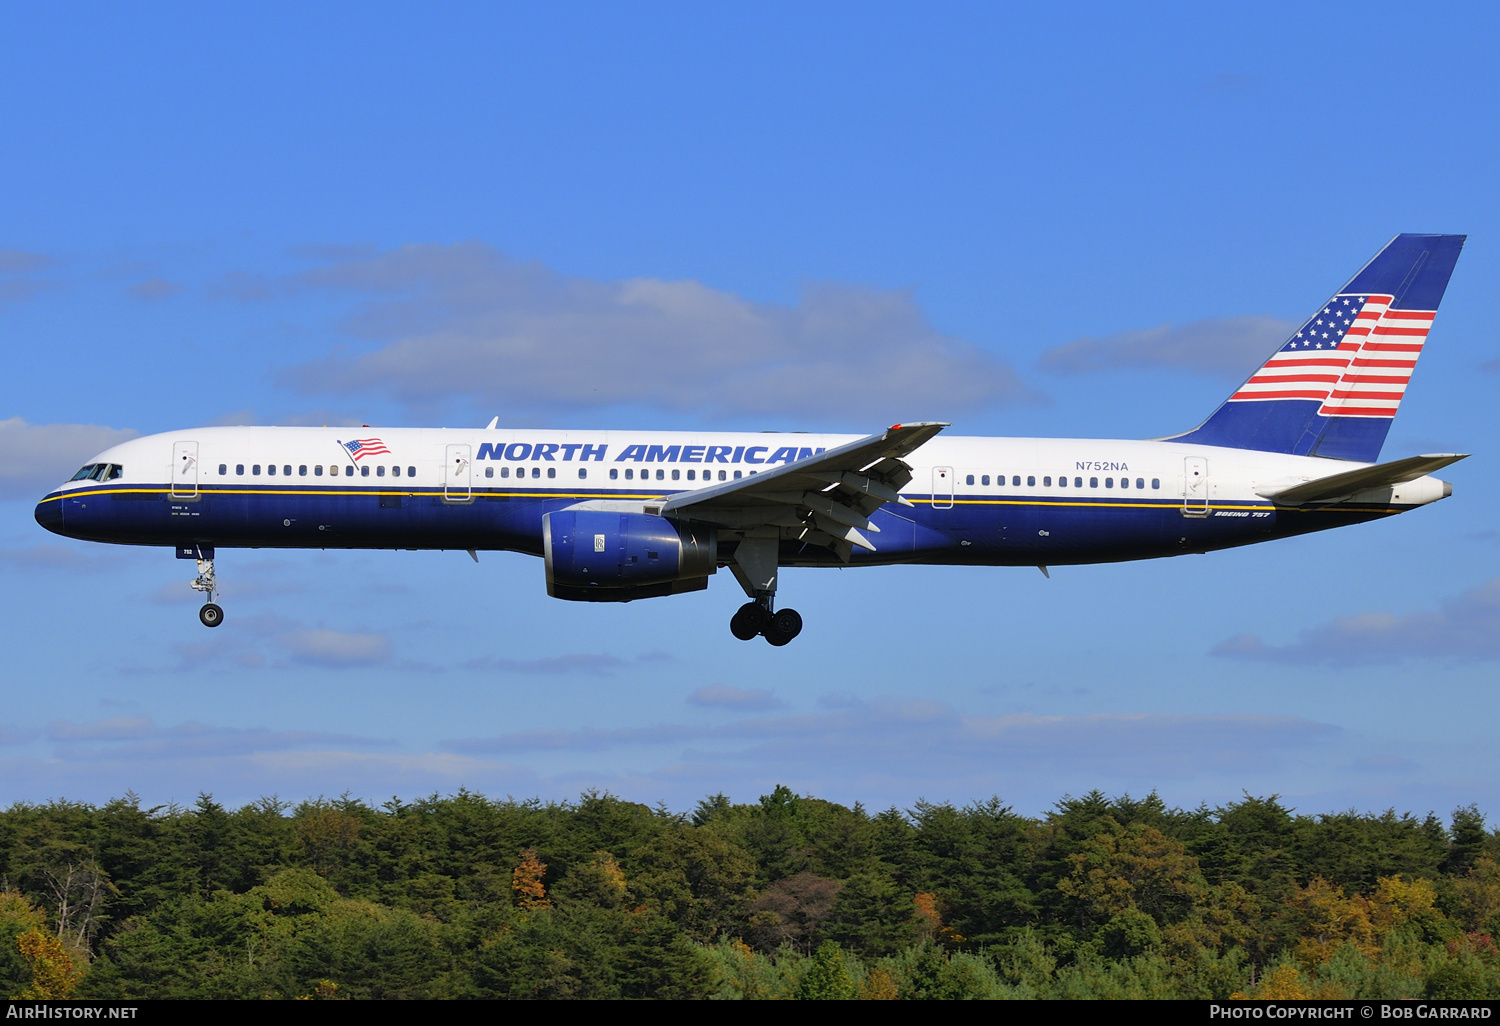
(1088, 221)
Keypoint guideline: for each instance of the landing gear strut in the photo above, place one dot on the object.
(211, 615)
(754, 566)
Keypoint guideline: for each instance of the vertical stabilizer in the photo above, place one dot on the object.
(1334, 387)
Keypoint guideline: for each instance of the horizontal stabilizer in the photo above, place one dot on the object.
(1381, 475)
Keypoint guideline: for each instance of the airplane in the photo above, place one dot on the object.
(622, 515)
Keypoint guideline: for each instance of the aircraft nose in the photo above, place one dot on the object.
(49, 513)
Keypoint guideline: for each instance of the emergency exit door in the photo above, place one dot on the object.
(942, 487)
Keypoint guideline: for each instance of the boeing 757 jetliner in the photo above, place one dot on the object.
(623, 515)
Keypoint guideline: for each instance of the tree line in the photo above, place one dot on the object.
(462, 896)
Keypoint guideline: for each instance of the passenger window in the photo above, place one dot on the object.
(255, 469)
(1093, 482)
(505, 472)
(364, 471)
(318, 470)
(551, 471)
(411, 471)
(1078, 482)
(582, 473)
(691, 475)
(348, 471)
(302, 470)
(736, 475)
(1156, 483)
(723, 476)
(1030, 481)
(661, 475)
(676, 474)
(287, 470)
(613, 473)
(396, 471)
(223, 470)
(536, 471)
(969, 479)
(239, 469)
(1124, 482)
(1140, 482)
(489, 471)
(629, 474)
(1109, 482)
(1062, 482)
(1047, 482)
(1016, 479)
(984, 479)
(380, 472)
(271, 469)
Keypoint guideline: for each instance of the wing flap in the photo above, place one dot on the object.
(830, 495)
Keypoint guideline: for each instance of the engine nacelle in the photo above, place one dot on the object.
(605, 556)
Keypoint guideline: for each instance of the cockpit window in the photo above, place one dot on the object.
(84, 472)
(114, 471)
(97, 474)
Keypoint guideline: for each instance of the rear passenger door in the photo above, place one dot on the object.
(457, 475)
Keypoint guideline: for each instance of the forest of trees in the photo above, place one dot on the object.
(790, 897)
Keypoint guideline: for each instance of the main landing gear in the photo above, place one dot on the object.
(754, 566)
(211, 615)
(754, 618)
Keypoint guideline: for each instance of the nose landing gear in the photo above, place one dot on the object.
(210, 615)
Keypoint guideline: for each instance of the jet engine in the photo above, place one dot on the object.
(606, 556)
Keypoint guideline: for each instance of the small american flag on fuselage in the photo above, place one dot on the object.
(362, 447)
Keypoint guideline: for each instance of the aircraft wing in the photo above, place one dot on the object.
(829, 496)
(1338, 486)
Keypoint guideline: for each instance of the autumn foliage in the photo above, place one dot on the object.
(786, 897)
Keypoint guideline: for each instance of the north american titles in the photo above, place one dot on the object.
(520, 452)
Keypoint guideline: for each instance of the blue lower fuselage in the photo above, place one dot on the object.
(976, 530)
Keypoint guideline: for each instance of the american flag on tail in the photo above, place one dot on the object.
(1354, 356)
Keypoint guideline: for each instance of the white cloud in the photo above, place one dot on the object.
(1465, 627)
(155, 288)
(744, 699)
(1223, 346)
(592, 664)
(140, 737)
(463, 321)
(15, 261)
(50, 556)
(922, 739)
(336, 649)
(37, 457)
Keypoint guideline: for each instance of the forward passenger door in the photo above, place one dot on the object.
(184, 470)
